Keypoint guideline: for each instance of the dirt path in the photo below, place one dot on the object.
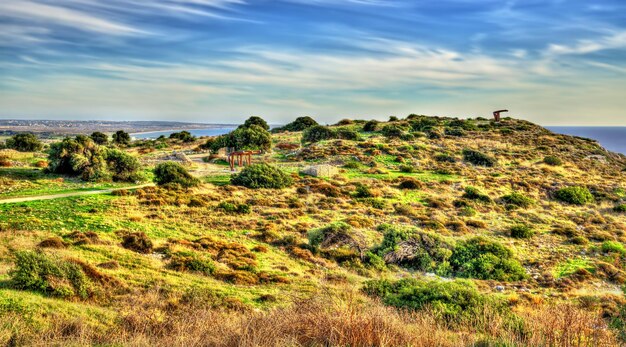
(67, 195)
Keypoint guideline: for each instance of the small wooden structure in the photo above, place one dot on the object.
(496, 114)
(241, 158)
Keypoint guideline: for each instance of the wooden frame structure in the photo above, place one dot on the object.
(496, 114)
(241, 158)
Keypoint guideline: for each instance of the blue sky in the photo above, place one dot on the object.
(551, 62)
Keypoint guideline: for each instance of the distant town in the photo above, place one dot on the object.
(72, 127)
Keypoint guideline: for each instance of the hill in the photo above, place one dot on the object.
(420, 231)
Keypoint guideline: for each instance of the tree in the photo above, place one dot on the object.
(317, 133)
(24, 143)
(79, 156)
(100, 138)
(122, 166)
(254, 120)
(253, 137)
(184, 136)
(173, 173)
(300, 124)
(121, 138)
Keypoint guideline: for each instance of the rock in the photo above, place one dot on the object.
(320, 170)
(499, 288)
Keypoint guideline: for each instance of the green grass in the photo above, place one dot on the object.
(570, 266)
(426, 176)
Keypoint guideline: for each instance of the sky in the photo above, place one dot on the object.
(553, 62)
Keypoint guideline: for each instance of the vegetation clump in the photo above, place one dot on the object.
(478, 158)
(472, 193)
(370, 126)
(517, 199)
(24, 142)
(575, 195)
(299, 124)
(138, 242)
(317, 133)
(99, 138)
(174, 173)
(620, 208)
(262, 176)
(552, 160)
(49, 275)
(188, 261)
(79, 156)
(484, 259)
(121, 138)
(522, 231)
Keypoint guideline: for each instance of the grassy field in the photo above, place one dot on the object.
(369, 256)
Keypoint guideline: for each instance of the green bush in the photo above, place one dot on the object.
(370, 126)
(255, 121)
(478, 158)
(24, 143)
(184, 136)
(457, 132)
(187, 261)
(454, 300)
(338, 230)
(234, 208)
(317, 133)
(262, 176)
(472, 193)
(174, 173)
(613, 247)
(522, 231)
(79, 156)
(50, 275)
(518, 199)
(407, 168)
(553, 160)
(299, 124)
(347, 134)
(392, 130)
(445, 158)
(574, 195)
(484, 259)
(363, 191)
(122, 166)
(620, 208)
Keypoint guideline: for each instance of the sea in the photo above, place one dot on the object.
(611, 138)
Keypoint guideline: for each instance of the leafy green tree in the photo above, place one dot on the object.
(252, 137)
(121, 138)
(100, 138)
(123, 167)
(79, 156)
(24, 143)
(184, 136)
(254, 120)
(173, 173)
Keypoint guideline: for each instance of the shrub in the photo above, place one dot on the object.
(620, 208)
(613, 247)
(407, 168)
(445, 158)
(123, 167)
(299, 124)
(234, 208)
(522, 231)
(121, 138)
(24, 143)
(186, 261)
(253, 137)
(574, 195)
(174, 173)
(472, 193)
(347, 134)
(52, 242)
(338, 230)
(553, 160)
(478, 158)
(484, 259)
(138, 242)
(370, 126)
(42, 273)
(410, 183)
(363, 191)
(262, 176)
(453, 300)
(518, 199)
(351, 165)
(317, 133)
(79, 156)
(392, 130)
(184, 136)
(99, 138)
(458, 132)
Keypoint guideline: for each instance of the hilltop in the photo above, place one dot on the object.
(416, 231)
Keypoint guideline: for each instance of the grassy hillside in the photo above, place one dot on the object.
(433, 231)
